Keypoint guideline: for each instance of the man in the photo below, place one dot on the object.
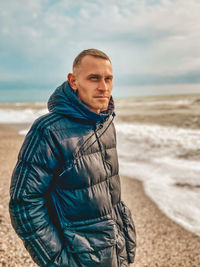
(65, 192)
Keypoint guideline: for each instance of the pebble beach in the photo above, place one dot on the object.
(160, 241)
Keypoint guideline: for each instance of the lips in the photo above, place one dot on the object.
(103, 97)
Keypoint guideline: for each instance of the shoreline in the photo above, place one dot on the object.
(160, 241)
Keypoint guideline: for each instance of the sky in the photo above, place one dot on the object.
(153, 44)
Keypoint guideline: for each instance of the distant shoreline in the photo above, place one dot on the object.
(8, 100)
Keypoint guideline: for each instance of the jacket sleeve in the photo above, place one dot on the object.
(30, 188)
(129, 232)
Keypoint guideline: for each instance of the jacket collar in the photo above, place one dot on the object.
(65, 101)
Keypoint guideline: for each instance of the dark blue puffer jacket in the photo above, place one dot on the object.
(65, 199)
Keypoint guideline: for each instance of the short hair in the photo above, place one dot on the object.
(89, 52)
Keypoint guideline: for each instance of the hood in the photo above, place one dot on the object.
(65, 101)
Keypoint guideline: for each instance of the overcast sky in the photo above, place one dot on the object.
(154, 45)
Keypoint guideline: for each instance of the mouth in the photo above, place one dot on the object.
(102, 97)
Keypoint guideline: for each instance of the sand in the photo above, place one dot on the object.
(160, 241)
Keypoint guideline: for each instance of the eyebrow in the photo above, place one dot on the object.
(97, 75)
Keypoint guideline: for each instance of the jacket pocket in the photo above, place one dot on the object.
(129, 232)
(92, 244)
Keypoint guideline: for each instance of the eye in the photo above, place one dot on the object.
(94, 78)
(108, 79)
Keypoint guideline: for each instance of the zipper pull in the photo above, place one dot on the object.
(98, 127)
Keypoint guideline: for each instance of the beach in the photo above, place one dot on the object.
(12, 252)
(160, 241)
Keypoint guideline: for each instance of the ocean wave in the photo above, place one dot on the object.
(26, 115)
(151, 153)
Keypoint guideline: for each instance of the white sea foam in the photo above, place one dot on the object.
(26, 115)
(125, 103)
(23, 132)
(166, 159)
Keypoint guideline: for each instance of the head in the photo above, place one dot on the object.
(92, 79)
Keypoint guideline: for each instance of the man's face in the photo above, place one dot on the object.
(93, 81)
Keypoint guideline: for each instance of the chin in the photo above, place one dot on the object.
(100, 106)
(103, 108)
(103, 105)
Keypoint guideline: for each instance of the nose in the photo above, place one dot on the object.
(102, 86)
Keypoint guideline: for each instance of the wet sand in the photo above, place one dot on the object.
(160, 241)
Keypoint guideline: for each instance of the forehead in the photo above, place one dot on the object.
(90, 64)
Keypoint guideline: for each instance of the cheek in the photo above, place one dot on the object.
(110, 86)
(110, 90)
(86, 93)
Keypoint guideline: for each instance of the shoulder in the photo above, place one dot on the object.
(45, 122)
(54, 122)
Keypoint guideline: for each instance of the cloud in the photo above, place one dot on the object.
(144, 38)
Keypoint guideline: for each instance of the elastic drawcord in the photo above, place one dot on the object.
(100, 126)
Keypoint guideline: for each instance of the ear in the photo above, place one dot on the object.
(72, 80)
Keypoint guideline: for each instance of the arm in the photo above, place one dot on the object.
(31, 182)
(129, 232)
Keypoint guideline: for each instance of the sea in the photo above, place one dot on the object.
(158, 141)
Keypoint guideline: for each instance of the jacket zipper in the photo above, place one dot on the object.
(100, 147)
(81, 148)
